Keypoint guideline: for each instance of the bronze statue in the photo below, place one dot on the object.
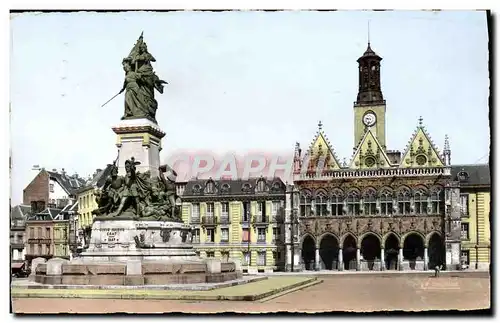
(137, 195)
(140, 83)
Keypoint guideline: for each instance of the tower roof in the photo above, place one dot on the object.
(369, 53)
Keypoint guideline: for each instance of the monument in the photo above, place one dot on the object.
(138, 236)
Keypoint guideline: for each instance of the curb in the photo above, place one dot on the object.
(176, 297)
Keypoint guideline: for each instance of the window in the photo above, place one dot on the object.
(246, 235)
(404, 204)
(465, 257)
(210, 209)
(224, 235)
(436, 201)
(246, 258)
(464, 233)
(261, 186)
(276, 234)
(353, 203)
(420, 202)
(210, 254)
(225, 209)
(39, 236)
(261, 258)
(386, 203)
(51, 188)
(321, 202)
(275, 206)
(210, 235)
(261, 235)
(337, 203)
(305, 205)
(464, 204)
(196, 235)
(40, 250)
(370, 202)
(47, 233)
(261, 211)
(195, 212)
(246, 212)
(210, 188)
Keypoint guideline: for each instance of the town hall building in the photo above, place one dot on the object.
(385, 209)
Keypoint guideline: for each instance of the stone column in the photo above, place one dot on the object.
(382, 260)
(317, 259)
(358, 257)
(400, 259)
(426, 259)
(341, 260)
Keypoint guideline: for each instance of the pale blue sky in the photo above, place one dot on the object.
(243, 81)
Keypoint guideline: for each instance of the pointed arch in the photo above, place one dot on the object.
(391, 233)
(421, 199)
(403, 238)
(364, 235)
(305, 236)
(320, 191)
(430, 235)
(323, 235)
(386, 198)
(344, 237)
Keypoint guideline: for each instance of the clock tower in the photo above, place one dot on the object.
(369, 108)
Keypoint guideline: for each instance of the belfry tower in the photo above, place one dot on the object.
(369, 108)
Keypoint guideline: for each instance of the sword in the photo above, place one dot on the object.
(111, 99)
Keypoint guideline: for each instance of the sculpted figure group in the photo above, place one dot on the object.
(138, 195)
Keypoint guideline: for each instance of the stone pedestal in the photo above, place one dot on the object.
(134, 252)
(141, 139)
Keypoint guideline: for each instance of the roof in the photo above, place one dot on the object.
(234, 187)
(69, 183)
(19, 212)
(98, 180)
(49, 214)
(369, 53)
(472, 175)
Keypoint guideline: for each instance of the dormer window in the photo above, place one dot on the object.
(261, 186)
(196, 188)
(210, 188)
(463, 176)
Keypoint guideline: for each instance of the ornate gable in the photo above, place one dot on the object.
(320, 149)
(421, 151)
(369, 154)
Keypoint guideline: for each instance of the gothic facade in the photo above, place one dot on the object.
(384, 210)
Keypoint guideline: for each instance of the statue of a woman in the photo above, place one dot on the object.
(138, 100)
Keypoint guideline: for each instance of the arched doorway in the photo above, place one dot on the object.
(349, 253)
(370, 251)
(391, 251)
(436, 251)
(413, 249)
(329, 251)
(308, 252)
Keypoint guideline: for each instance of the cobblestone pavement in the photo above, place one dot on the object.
(336, 293)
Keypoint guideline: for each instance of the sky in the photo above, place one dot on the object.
(241, 81)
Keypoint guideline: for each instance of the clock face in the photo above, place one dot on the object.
(369, 119)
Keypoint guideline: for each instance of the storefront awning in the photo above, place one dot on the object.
(17, 265)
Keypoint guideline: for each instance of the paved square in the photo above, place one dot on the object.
(336, 293)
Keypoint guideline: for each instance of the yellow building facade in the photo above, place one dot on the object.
(475, 197)
(238, 219)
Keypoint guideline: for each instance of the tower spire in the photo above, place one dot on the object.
(368, 33)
